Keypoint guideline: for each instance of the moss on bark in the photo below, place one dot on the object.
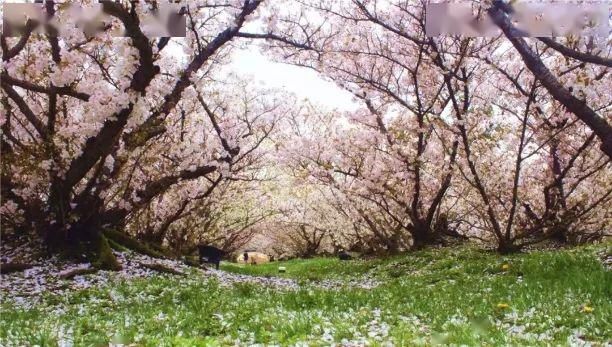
(116, 246)
(105, 259)
(131, 243)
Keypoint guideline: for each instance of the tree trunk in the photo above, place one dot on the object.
(505, 246)
(556, 204)
(422, 235)
(80, 235)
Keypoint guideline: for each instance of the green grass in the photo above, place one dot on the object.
(308, 269)
(446, 296)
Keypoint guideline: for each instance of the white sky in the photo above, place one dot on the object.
(303, 82)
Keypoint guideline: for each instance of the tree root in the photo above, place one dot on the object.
(117, 247)
(133, 244)
(162, 268)
(192, 261)
(7, 268)
(77, 272)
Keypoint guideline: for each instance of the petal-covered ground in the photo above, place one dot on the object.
(448, 296)
(46, 276)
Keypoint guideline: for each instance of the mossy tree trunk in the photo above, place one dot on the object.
(79, 235)
(105, 260)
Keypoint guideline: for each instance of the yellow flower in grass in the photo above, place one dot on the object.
(505, 267)
(587, 309)
(502, 305)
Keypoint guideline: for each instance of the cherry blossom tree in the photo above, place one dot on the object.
(503, 139)
(194, 209)
(379, 51)
(228, 220)
(383, 56)
(308, 221)
(95, 128)
(549, 147)
(584, 103)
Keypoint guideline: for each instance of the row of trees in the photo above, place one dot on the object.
(456, 136)
(128, 133)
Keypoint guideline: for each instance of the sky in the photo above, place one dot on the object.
(303, 82)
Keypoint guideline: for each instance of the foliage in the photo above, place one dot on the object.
(124, 131)
(452, 135)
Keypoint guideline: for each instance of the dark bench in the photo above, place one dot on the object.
(211, 255)
(343, 255)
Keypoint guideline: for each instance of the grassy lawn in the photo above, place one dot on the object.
(447, 296)
(310, 269)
